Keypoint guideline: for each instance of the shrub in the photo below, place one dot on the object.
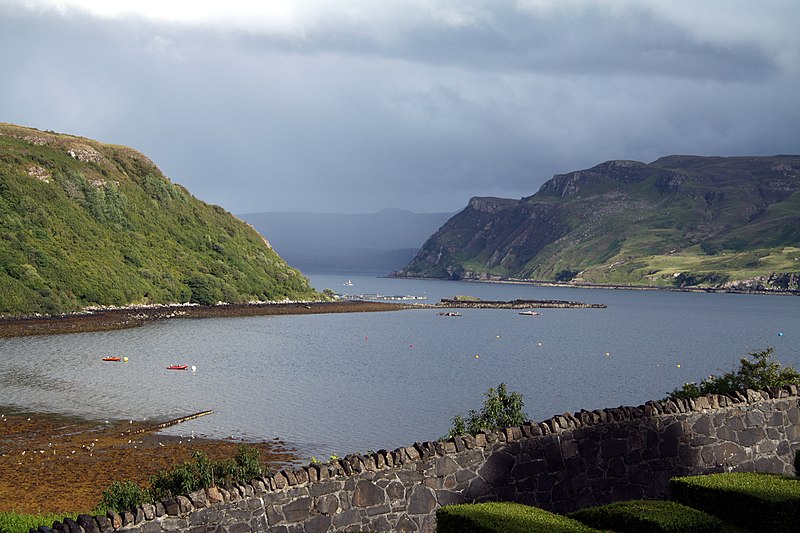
(497, 517)
(203, 473)
(648, 516)
(189, 476)
(500, 410)
(759, 373)
(761, 502)
(121, 496)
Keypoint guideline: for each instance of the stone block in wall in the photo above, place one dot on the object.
(325, 487)
(478, 491)
(214, 495)
(104, 524)
(445, 466)
(395, 491)
(729, 453)
(88, 523)
(750, 436)
(170, 507)
(114, 518)
(448, 497)
(318, 524)
(327, 505)
(496, 470)
(613, 448)
(368, 494)
(279, 480)
(346, 519)
(298, 509)
(184, 505)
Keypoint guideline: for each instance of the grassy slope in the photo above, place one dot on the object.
(111, 229)
(678, 221)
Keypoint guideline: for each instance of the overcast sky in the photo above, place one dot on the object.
(355, 105)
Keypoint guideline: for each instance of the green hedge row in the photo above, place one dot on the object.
(504, 517)
(761, 502)
(648, 516)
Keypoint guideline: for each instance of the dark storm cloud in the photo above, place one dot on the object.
(405, 109)
(585, 42)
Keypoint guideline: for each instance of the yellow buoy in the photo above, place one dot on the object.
(124, 359)
(477, 356)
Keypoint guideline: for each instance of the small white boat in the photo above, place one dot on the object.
(449, 313)
(530, 313)
(348, 283)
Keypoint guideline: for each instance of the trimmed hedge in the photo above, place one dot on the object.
(762, 502)
(648, 516)
(502, 517)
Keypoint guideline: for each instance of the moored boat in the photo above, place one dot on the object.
(111, 359)
(449, 313)
(177, 367)
(530, 313)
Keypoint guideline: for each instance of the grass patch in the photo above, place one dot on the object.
(11, 522)
(499, 517)
(762, 502)
(648, 516)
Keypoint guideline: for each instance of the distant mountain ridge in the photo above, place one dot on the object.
(86, 223)
(379, 242)
(681, 221)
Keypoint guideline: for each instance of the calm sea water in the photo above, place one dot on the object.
(355, 382)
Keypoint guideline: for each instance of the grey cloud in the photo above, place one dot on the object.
(590, 41)
(347, 121)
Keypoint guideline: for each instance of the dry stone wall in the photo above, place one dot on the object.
(565, 463)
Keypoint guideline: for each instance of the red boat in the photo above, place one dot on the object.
(111, 359)
(177, 367)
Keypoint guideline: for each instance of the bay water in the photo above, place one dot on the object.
(343, 383)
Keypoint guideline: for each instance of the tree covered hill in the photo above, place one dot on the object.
(681, 221)
(85, 223)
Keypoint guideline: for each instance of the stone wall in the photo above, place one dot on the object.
(565, 463)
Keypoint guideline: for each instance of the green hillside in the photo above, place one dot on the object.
(681, 221)
(84, 223)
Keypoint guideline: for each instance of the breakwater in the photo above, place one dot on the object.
(567, 462)
(517, 304)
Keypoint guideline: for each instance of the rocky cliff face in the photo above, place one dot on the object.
(679, 221)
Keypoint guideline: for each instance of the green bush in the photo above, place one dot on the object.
(761, 502)
(503, 517)
(759, 373)
(121, 496)
(648, 516)
(189, 476)
(202, 473)
(500, 410)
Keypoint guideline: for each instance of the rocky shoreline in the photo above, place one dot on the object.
(743, 289)
(131, 317)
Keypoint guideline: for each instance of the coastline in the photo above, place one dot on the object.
(53, 463)
(611, 286)
(131, 317)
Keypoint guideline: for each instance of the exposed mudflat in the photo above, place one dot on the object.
(111, 319)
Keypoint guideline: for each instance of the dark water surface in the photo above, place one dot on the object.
(354, 382)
